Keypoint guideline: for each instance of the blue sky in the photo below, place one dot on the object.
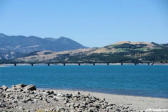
(93, 23)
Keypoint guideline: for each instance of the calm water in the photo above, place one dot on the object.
(131, 80)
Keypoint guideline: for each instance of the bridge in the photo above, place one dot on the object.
(77, 63)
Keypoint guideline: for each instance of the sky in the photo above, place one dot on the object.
(93, 23)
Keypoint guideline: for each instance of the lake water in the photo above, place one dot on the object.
(141, 80)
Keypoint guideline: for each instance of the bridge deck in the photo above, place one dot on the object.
(77, 63)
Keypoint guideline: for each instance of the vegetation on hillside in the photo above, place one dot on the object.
(133, 52)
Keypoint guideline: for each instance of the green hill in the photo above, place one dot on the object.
(118, 52)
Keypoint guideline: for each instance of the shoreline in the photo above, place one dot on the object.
(28, 98)
(137, 102)
(21, 97)
(104, 92)
(99, 64)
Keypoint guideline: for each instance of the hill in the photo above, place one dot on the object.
(118, 52)
(13, 46)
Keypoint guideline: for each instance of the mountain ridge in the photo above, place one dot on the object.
(35, 49)
(27, 44)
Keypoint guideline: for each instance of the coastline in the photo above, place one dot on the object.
(21, 97)
(99, 64)
(137, 102)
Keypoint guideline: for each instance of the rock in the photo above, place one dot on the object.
(118, 110)
(26, 98)
(30, 87)
(60, 95)
(4, 87)
(68, 95)
(18, 86)
(97, 105)
(92, 109)
(76, 105)
(78, 93)
(83, 105)
(61, 109)
(2, 105)
(50, 92)
(88, 100)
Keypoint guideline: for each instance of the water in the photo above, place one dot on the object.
(130, 80)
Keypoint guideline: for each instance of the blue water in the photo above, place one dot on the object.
(130, 80)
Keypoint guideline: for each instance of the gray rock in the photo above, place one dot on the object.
(4, 87)
(92, 109)
(21, 98)
(30, 87)
(18, 86)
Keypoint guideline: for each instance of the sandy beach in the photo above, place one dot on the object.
(136, 102)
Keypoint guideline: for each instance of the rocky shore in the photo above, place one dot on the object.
(26, 98)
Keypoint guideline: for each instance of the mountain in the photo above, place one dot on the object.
(118, 52)
(14, 46)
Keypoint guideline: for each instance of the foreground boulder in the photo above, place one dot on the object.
(23, 87)
(19, 86)
(26, 98)
(4, 87)
(30, 87)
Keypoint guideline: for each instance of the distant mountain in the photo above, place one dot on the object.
(118, 52)
(14, 46)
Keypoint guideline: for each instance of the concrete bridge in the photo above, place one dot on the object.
(76, 63)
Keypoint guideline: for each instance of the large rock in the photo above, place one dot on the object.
(18, 86)
(4, 87)
(30, 87)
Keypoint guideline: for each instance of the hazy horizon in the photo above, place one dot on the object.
(91, 23)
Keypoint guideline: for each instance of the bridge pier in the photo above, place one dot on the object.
(135, 64)
(148, 63)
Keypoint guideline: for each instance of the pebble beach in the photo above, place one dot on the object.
(27, 98)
